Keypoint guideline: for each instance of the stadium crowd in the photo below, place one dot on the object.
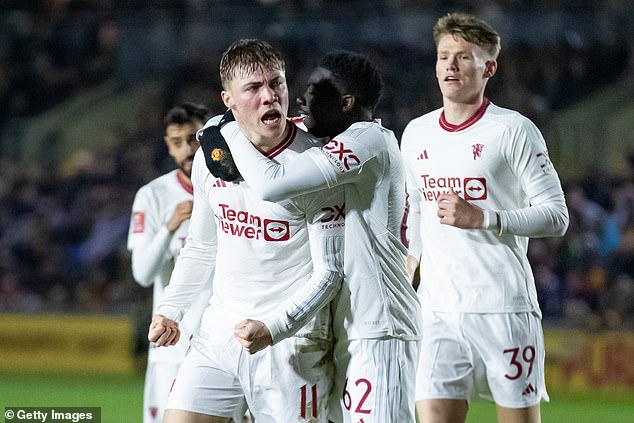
(63, 234)
(51, 50)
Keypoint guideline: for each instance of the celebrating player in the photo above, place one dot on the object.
(480, 183)
(160, 220)
(376, 313)
(268, 257)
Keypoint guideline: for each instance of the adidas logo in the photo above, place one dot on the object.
(529, 390)
(219, 183)
(423, 155)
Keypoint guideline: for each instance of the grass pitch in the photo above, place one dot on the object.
(602, 407)
(121, 399)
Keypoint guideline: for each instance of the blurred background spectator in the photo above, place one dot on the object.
(84, 85)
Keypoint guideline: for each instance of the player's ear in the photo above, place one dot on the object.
(490, 68)
(165, 137)
(347, 102)
(226, 98)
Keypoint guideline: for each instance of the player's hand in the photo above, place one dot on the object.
(163, 331)
(253, 335)
(181, 213)
(454, 211)
(412, 266)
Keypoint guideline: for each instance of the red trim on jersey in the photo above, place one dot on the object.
(187, 185)
(404, 239)
(449, 127)
(297, 120)
(288, 139)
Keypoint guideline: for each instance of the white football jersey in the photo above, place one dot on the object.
(266, 252)
(154, 251)
(380, 301)
(376, 299)
(498, 161)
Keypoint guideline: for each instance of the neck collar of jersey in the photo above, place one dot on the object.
(185, 183)
(288, 139)
(449, 127)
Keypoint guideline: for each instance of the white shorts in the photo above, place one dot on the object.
(288, 382)
(499, 357)
(158, 382)
(374, 381)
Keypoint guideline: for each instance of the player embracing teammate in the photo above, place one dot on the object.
(376, 315)
(480, 185)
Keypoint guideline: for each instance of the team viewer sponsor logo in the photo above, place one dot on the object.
(276, 230)
(469, 188)
(243, 224)
(475, 189)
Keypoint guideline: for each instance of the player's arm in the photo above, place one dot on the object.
(326, 245)
(415, 242)
(314, 169)
(149, 238)
(547, 214)
(273, 181)
(197, 259)
(413, 221)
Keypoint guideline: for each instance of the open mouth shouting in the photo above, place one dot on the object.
(272, 118)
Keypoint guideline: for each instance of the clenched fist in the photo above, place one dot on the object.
(455, 211)
(253, 335)
(163, 331)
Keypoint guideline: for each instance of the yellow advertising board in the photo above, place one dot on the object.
(578, 361)
(66, 344)
(81, 344)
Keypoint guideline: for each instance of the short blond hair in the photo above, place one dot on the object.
(469, 28)
(247, 56)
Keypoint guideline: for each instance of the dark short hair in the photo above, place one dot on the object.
(186, 113)
(357, 74)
